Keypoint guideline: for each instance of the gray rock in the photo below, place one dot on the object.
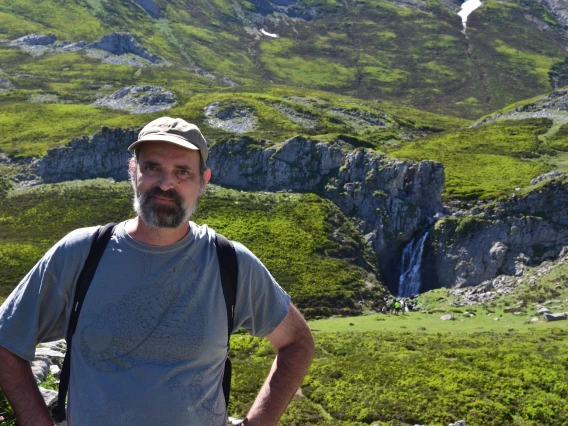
(40, 369)
(117, 48)
(49, 396)
(542, 310)
(305, 120)
(559, 9)
(139, 99)
(549, 175)
(458, 423)
(34, 40)
(55, 370)
(447, 317)
(6, 83)
(554, 317)
(121, 44)
(232, 117)
(49, 353)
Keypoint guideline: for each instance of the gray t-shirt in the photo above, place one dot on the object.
(150, 343)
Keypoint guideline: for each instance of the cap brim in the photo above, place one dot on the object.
(164, 138)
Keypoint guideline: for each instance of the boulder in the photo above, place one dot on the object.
(121, 44)
(40, 368)
(49, 396)
(447, 317)
(139, 99)
(554, 317)
(34, 40)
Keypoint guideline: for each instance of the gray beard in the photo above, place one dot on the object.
(160, 216)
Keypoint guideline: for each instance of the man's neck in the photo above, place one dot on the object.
(141, 232)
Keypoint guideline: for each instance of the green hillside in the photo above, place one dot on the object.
(312, 250)
(369, 49)
(486, 161)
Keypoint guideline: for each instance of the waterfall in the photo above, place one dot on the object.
(409, 281)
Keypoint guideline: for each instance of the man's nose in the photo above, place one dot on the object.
(167, 181)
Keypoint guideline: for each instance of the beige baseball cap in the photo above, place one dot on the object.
(176, 131)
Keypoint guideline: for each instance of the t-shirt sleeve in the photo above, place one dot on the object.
(39, 307)
(261, 303)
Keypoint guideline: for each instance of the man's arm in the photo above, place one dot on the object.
(19, 386)
(295, 345)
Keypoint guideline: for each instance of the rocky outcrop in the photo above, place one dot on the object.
(553, 106)
(501, 238)
(102, 155)
(139, 99)
(559, 9)
(234, 117)
(111, 48)
(121, 44)
(389, 200)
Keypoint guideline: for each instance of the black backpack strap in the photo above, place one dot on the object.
(229, 269)
(100, 241)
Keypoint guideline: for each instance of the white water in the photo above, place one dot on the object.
(409, 281)
(266, 33)
(468, 6)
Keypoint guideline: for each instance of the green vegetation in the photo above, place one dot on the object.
(485, 161)
(368, 49)
(305, 241)
(414, 368)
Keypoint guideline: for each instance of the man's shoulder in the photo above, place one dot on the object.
(78, 239)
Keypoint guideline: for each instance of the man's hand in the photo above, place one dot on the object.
(295, 345)
(19, 386)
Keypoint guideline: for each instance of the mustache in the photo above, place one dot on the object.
(170, 193)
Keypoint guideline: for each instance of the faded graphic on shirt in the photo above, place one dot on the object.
(150, 325)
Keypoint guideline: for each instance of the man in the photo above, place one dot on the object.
(150, 344)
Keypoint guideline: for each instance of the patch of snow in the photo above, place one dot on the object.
(266, 33)
(468, 6)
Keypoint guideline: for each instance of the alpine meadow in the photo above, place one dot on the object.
(369, 152)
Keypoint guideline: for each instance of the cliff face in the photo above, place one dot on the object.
(102, 155)
(389, 200)
(524, 230)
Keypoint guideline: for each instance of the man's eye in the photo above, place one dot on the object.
(183, 173)
(151, 168)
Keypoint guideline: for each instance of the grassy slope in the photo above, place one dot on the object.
(513, 55)
(290, 233)
(416, 369)
(486, 161)
(369, 49)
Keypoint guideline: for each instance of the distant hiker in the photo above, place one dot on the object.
(397, 306)
(151, 341)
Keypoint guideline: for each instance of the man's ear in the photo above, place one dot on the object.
(206, 178)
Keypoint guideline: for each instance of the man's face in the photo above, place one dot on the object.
(167, 184)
